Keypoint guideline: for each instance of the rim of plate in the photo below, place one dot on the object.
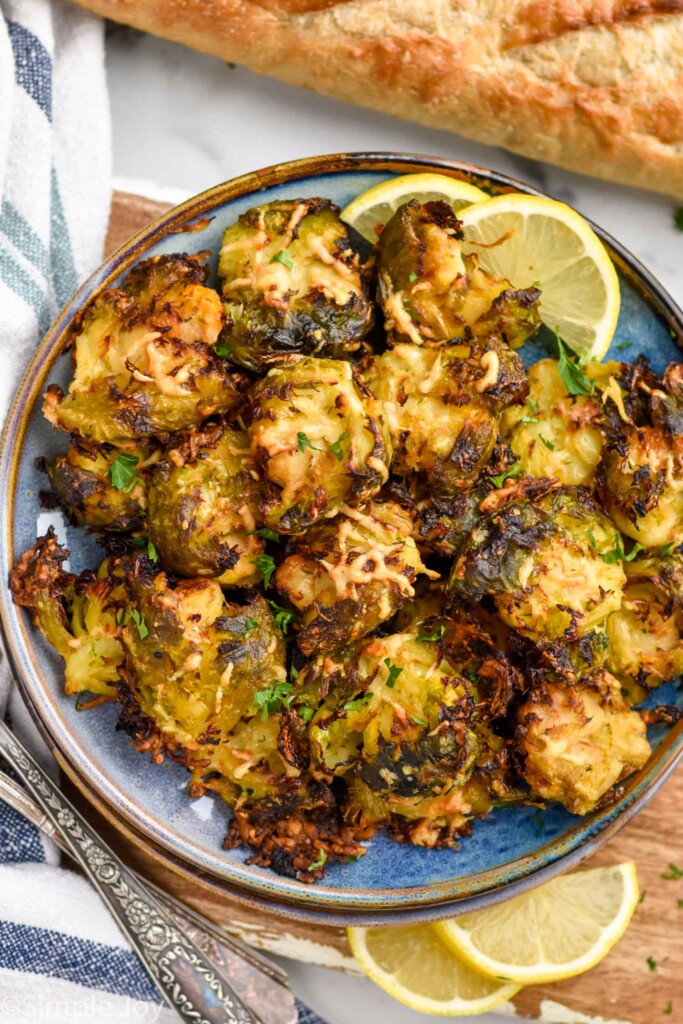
(421, 902)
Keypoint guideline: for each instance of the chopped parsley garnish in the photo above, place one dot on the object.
(436, 634)
(294, 672)
(652, 963)
(549, 444)
(152, 552)
(667, 550)
(266, 566)
(139, 622)
(591, 540)
(680, 904)
(412, 277)
(306, 714)
(673, 874)
(283, 617)
(678, 218)
(642, 895)
(250, 626)
(322, 859)
(529, 419)
(533, 404)
(617, 554)
(221, 349)
(417, 721)
(267, 534)
(622, 346)
(394, 673)
(573, 377)
(336, 446)
(668, 1009)
(284, 258)
(509, 474)
(274, 698)
(303, 443)
(122, 472)
(359, 702)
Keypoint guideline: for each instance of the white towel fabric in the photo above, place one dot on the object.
(62, 958)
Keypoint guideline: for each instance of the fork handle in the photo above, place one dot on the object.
(187, 979)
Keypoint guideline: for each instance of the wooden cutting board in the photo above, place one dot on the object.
(624, 988)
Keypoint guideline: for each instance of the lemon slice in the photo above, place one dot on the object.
(549, 245)
(377, 205)
(556, 931)
(415, 967)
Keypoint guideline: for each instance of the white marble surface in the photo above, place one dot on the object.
(188, 122)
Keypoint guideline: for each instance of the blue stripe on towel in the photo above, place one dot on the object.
(16, 278)
(91, 964)
(32, 66)
(64, 276)
(19, 839)
(24, 238)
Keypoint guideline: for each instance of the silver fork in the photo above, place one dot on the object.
(259, 982)
(189, 981)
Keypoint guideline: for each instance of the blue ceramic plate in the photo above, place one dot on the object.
(512, 848)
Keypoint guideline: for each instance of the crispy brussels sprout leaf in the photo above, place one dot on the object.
(348, 574)
(304, 416)
(143, 357)
(293, 285)
(203, 507)
(577, 741)
(431, 292)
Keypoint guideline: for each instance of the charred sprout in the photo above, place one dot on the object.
(293, 285)
(319, 439)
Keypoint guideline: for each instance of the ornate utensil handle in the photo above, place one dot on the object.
(184, 975)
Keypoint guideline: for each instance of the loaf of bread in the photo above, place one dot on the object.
(592, 85)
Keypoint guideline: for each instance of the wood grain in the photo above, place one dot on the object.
(622, 989)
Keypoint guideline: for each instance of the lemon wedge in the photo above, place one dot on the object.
(414, 966)
(544, 243)
(556, 931)
(378, 204)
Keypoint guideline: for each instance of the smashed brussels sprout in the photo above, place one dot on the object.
(203, 507)
(144, 362)
(293, 285)
(646, 633)
(101, 486)
(552, 566)
(319, 438)
(556, 434)
(402, 723)
(443, 407)
(640, 484)
(77, 616)
(350, 573)
(576, 742)
(202, 670)
(432, 292)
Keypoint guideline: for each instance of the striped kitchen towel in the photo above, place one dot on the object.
(55, 175)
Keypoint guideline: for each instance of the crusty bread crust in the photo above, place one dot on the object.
(592, 85)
